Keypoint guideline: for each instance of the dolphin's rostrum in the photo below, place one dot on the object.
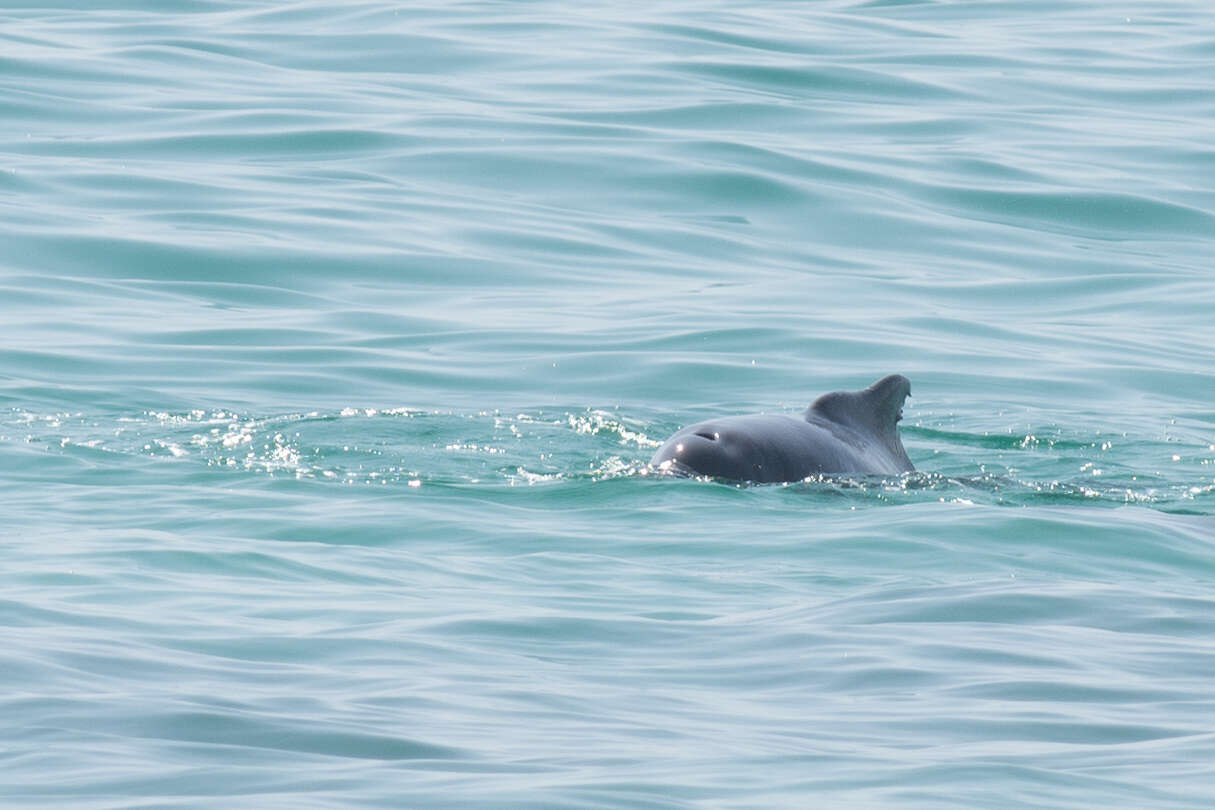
(842, 432)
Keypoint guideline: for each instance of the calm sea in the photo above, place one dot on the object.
(335, 338)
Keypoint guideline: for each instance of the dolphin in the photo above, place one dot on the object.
(841, 432)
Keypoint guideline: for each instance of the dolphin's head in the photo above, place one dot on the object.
(760, 447)
(705, 449)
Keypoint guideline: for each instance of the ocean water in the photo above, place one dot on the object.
(335, 338)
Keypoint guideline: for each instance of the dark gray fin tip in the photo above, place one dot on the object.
(878, 407)
(887, 396)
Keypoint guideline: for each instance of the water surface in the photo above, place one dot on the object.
(335, 337)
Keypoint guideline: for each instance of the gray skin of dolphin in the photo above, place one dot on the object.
(842, 432)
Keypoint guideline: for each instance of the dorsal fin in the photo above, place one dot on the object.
(876, 409)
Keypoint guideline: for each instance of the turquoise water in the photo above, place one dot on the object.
(334, 338)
